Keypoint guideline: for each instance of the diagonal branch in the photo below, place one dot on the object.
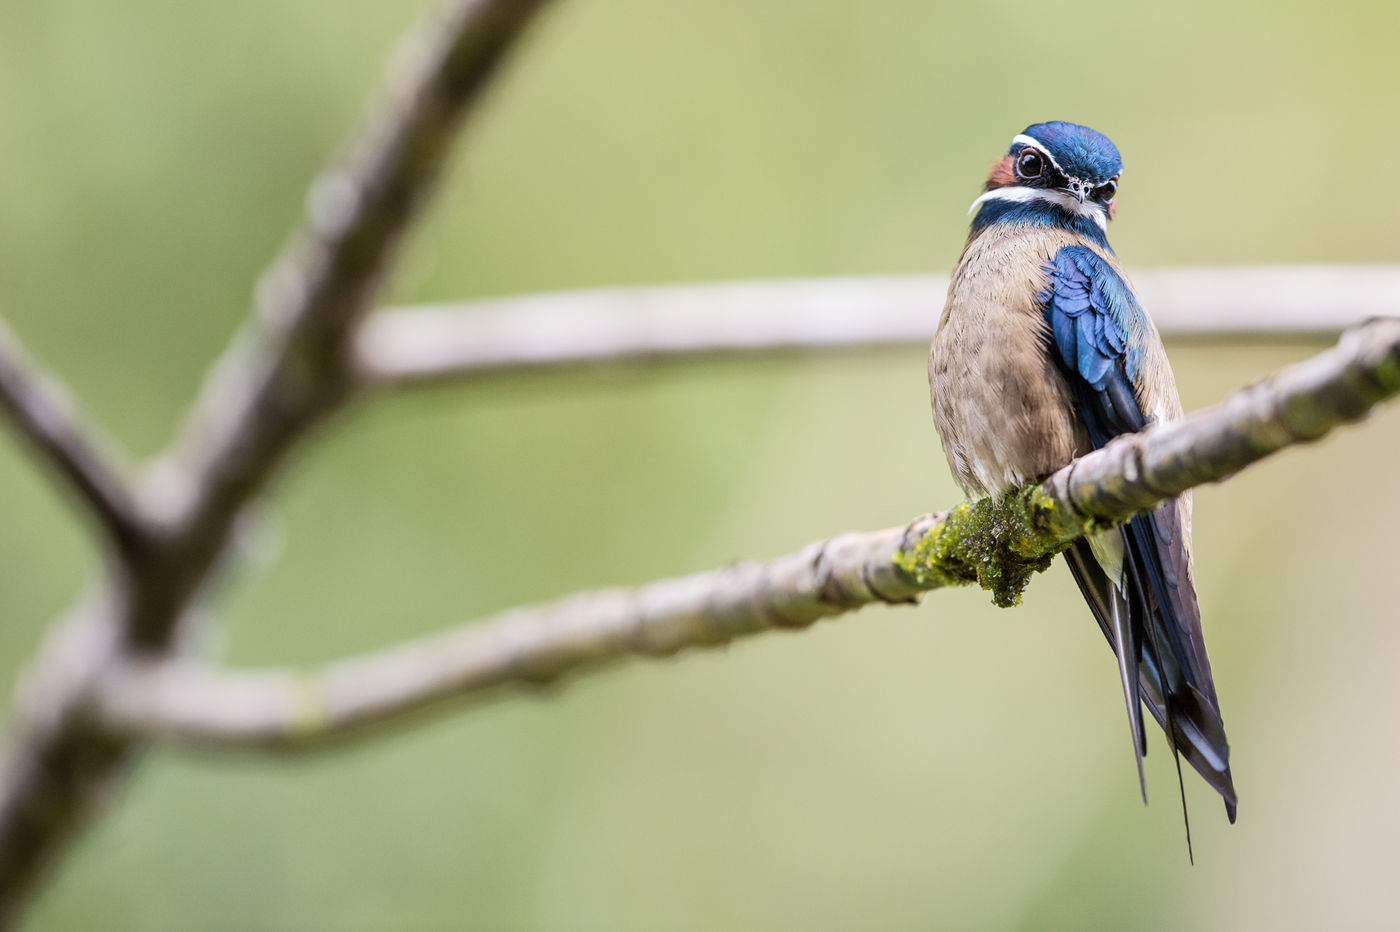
(44, 412)
(187, 700)
(292, 367)
(278, 381)
(998, 544)
(641, 324)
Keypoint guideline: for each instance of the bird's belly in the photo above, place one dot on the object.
(1003, 410)
(1002, 423)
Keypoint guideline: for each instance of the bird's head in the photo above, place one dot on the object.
(1064, 164)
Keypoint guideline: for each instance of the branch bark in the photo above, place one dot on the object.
(996, 543)
(492, 336)
(114, 671)
(45, 414)
(279, 380)
(292, 367)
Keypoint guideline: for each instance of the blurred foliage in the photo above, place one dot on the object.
(952, 766)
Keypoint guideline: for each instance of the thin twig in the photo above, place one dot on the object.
(281, 378)
(291, 368)
(44, 412)
(490, 336)
(186, 701)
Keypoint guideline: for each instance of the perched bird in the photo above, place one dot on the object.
(1043, 354)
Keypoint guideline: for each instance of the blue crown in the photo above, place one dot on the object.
(1080, 151)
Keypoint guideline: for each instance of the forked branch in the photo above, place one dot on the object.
(266, 395)
(112, 673)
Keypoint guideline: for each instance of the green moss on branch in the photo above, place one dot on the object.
(997, 543)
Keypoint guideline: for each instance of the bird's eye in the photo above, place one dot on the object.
(1106, 191)
(1030, 164)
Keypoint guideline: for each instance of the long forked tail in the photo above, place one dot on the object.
(1149, 616)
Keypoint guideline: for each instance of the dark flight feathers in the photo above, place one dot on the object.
(1091, 312)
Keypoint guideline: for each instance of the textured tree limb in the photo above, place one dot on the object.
(490, 336)
(45, 413)
(187, 700)
(283, 376)
(996, 543)
(72, 732)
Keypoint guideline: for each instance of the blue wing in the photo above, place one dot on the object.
(1096, 327)
(1091, 313)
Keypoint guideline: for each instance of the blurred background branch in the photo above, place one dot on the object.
(280, 378)
(149, 172)
(641, 324)
(43, 411)
(187, 701)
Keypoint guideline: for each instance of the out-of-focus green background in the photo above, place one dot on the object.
(952, 766)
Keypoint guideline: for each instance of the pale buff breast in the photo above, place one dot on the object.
(1000, 404)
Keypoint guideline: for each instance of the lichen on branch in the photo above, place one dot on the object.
(996, 542)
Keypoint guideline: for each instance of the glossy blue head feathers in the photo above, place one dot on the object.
(1054, 174)
(1078, 150)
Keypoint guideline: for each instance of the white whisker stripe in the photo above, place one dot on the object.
(1021, 194)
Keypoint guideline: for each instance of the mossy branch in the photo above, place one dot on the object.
(997, 543)
(1000, 543)
(114, 670)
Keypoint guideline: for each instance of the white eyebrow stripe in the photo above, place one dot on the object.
(1025, 140)
(1022, 195)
